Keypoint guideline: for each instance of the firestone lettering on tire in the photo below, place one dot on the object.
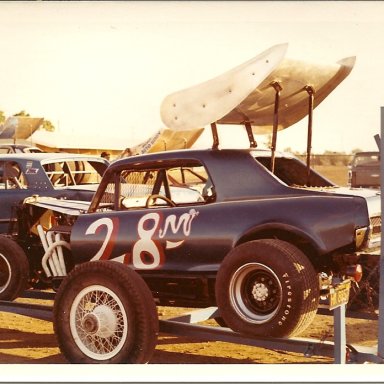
(288, 307)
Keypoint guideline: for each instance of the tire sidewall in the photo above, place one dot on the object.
(292, 290)
(17, 263)
(77, 285)
(78, 280)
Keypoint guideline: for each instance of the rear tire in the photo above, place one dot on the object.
(14, 269)
(105, 313)
(267, 288)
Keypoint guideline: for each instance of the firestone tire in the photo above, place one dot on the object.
(14, 269)
(105, 313)
(267, 288)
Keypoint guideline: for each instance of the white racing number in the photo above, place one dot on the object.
(108, 243)
(145, 248)
(147, 253)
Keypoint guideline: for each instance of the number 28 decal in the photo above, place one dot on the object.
(145, 248)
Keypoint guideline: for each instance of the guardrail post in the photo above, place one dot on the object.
(340, 340)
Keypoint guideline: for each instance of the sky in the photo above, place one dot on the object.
(101, 69)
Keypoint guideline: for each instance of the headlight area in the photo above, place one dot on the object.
(362, 237)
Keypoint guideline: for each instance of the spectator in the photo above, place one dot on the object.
(106, 155)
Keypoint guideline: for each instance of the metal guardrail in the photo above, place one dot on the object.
(187, 325)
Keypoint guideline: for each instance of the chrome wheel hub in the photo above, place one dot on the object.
(260, 292)
(101, 322)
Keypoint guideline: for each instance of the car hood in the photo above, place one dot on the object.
(68, 207)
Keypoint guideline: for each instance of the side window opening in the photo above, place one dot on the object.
(293, 172)
(108, 199)
(11, 176)
(366, 160)
(173, 186)
(70, 173)
(190, 185)
(136, 187)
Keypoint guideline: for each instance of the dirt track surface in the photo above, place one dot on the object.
(25, 340)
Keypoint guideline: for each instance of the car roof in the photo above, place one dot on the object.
(194, 154)
(47, 156)
(247, 175)
(173, 154)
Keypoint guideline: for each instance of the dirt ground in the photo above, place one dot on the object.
(25, 340)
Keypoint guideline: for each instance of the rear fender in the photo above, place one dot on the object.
(310, 245)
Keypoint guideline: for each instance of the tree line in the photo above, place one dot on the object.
(47, 125)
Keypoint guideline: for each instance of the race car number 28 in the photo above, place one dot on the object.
(150, 226)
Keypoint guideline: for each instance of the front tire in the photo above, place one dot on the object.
(105, 313)
(14, 269)
(267, 288)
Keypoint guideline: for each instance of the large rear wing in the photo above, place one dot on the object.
(265, 94)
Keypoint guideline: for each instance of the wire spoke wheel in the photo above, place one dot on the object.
(104, 312)
(98, 322)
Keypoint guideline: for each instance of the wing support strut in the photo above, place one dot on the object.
(311, 93)
(277, 87)
(248, 126)
(251, 138)
(215, 144)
